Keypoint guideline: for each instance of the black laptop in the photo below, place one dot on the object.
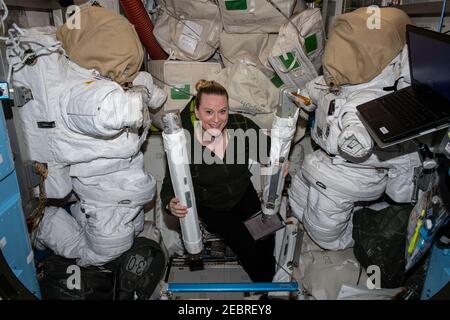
(424, 106)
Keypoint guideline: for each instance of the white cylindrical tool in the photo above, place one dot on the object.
(178, 162)
(281, 135)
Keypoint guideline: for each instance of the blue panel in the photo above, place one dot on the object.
(6, 160)
(233, 287)
(14, 241)
(438, 273)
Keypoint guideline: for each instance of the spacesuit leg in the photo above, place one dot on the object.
(106, 219)
(334, 186)
(400, 184)
(298, 196)
(61, 233)
(109, 232)
(79, 213)
(327, 220)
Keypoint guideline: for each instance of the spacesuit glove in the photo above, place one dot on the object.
(135, 109)
(354, 142)
(315, 89)
(155, 96)
(146, 98)
(151, 99)
(158, 97)
(144, 92)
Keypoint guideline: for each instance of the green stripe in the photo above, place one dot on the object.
(181, 93)
(192, 112)
(236, 4)
(311, 43)
(276, 80)
(287, 62)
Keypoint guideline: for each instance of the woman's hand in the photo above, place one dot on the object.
(177, 209)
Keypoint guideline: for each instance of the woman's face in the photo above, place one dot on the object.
(213, 113)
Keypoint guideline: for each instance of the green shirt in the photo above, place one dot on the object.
(220, 185)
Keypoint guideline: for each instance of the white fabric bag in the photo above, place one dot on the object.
(253, 48)
(192, 9)
(179, 79)
(254, 16)
(322, 273)
(296, 58)
(249, 90)
(188, 39)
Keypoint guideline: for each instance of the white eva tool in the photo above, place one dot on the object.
(281, 135)
(177, 160)
(289, 254)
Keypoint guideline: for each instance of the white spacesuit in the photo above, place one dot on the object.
(88, 130)
(348, 169)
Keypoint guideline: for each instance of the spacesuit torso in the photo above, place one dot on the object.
(76, 115)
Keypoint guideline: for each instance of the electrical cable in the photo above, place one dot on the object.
(4, 16)
(441, 21)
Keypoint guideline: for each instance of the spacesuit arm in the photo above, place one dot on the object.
(354, 142)
(101, 108)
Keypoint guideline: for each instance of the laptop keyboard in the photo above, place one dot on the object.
(408, 110)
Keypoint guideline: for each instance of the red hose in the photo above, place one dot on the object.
(138, 16)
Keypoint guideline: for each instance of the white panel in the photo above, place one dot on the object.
(37, 18)
(110, 4)
(432, 23)
(225, 273)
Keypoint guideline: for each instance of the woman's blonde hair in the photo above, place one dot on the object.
(208, 87)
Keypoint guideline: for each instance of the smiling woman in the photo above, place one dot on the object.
(212, 114)
(224, 194)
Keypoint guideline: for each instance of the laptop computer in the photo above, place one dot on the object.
(421, 108)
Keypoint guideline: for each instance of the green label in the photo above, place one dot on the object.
(288, 61)
(236, 4)
(311, 43)
(154, 129)
(180, 92)
(276, 80)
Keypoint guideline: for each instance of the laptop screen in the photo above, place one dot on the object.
(430, 62)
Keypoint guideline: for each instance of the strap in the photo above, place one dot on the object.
(192, 112)
(252, 6)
